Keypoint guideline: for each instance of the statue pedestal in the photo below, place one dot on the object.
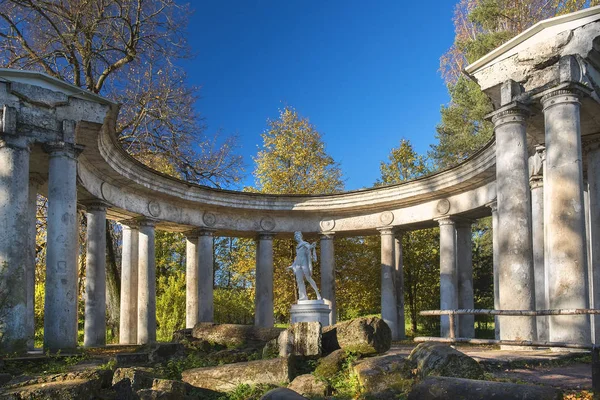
(311, 311)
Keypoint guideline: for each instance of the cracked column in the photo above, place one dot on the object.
(328, 273)
(593, 175)
(389, 311)
(565, 219)
(129, 283)
(192, 288)
(263, 300)
(448, 273)
(95, 276)
(494, 207)
(515, 258)
(536, 183)
(464, 266)
(205, 275)
(14, 235)
(399, 283)
(146, 323)
(60, 307)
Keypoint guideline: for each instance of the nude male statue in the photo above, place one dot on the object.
(302, 266)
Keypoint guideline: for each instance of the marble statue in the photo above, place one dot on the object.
(302, 266)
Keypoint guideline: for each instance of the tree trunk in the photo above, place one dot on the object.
(113, 283)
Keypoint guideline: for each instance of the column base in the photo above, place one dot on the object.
(311, 311)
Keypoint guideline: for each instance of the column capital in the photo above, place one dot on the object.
(265, 236)
(388, 230)
(536, 181)
(493, 205)
(327, 235)
(132, 223)
(568, 92)
(196, 233)
(447, 220)
(146, 222)
(95, 205)
(58, 149)
(15, 142)
(514, 112)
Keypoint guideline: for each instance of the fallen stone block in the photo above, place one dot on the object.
(227, 377)
(308, 385)
(438, 388)
(434, 359)
(365, 336)
(140, 378)
(77, 385)
(329, 366)
(392, 374)
(300, 339)
(282, 394)
(232, 335)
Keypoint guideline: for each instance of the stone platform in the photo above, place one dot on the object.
(311, 311)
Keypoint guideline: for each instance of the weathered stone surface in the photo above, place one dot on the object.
(132, 358)
(164, 351)
(182, 334)
(232, 335)
(308, 385)
(166, 385)
(301, 339)
(122, 390)
(227, 377)
(442, 360)
(140, 378)
(366, 335)
(330, 365)
(434, 388)
(282, 394)
(385, 374)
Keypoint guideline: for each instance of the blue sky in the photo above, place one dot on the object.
(364, 73)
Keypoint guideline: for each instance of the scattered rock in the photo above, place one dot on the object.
(160, 352)
(308, 385)
(140, 378)
(150, 394)
(434, 359)
(165, 385)
(122, 390)
(182, 334)
(365, 336)
(301, 339)
(385, 376)
(227, 377)
(434, 388)
(330, 365)
(282, 394)
(232, 335)
(79, 385)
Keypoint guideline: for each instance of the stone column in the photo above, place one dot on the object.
(593, 175)
(328, 274)
(60, 308)
(515, 257)
(95, 276)
(14, 235)
(494, 208)
(565, 224)
(389, 312)
(192, 288)
(146, 325)
(399, 283)
(448, 273)
(129, 283)
(263, 298)
(464, 266)
(205, 274)
(536, 183)
(35, 181)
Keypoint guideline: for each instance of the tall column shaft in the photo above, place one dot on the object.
(60, 308)
(129, 285)
(515, 257)
(205, 274)
(263, 297)
(495, 248)
(593, 175)
(536, 183)
(30, 253)
(14, 188)
(565, 226)
(448, 273)
(399, 283)
(95, 277)
(328, 274)
(464, 249)
(146, 327)
(192, 289)
(389, 312)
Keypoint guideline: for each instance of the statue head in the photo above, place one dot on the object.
(298, 236)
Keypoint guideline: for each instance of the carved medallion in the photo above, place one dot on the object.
(105, 191)
(209, 219)
(327, 224)
(267, 223)
(154, 208)
(386, 217)
(443, 206)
